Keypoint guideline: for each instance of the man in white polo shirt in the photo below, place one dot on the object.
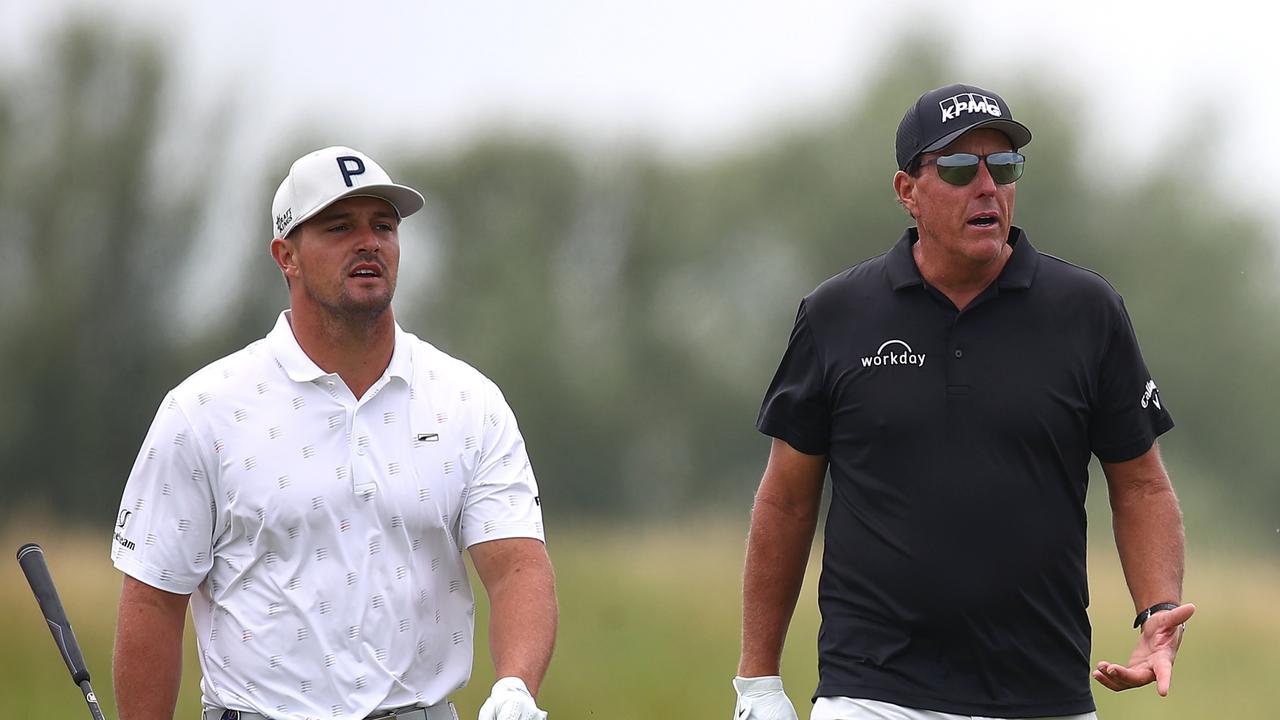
(310, 497)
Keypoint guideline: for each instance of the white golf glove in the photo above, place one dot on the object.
(510, 700)
(762, 698)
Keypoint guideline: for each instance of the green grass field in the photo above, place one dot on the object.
(649, 629)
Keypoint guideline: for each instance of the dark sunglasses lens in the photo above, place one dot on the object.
(1005, 167)
(958, 169)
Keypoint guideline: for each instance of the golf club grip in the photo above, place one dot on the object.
(31, 558)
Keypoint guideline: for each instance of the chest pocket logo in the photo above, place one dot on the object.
(437, 468)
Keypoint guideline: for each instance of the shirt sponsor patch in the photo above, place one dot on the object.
(894, 352)
(1151, 395)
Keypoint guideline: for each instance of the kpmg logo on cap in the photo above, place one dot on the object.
(894, 352)
(964, 103)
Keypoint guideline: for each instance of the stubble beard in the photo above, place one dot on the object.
(349, 311)
(959, 249)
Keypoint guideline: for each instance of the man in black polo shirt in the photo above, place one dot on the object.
(956, 387)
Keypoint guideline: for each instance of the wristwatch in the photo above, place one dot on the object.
(1158, 607)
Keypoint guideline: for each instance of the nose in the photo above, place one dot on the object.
(367, 239)
(983, 183)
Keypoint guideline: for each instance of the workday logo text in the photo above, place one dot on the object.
(894, 352)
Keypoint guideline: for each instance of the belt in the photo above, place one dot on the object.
(439, 711)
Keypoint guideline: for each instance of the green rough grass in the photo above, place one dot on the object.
(649, 629)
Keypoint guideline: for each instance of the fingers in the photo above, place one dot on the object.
(1118, 677)
(1176, 616)
(1105, 680)
(1164, 630)
(1163, 668)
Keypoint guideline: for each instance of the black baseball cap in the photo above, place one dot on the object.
(940, 116)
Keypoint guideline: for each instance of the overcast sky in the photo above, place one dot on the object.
(696, 76)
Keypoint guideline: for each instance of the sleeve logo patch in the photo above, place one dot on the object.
(1151, 396)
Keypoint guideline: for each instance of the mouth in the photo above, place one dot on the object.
(983, 220)
(366, 270)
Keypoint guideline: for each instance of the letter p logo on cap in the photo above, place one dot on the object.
(350, 166)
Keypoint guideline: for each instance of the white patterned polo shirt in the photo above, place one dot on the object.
(320, 535)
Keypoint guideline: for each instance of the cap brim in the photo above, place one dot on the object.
(404, 199)
(1018, 134)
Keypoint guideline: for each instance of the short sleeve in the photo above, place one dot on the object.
(501, 499)
(1128, 413)
(796, 408)
(164, 529)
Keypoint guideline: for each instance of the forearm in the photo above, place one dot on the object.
(522, 619)
(147, 667)
(777, 554)
(1149, 539)
(1147, 524)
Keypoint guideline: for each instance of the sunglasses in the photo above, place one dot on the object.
(962, 168)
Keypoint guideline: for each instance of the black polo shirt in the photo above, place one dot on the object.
(953, 575)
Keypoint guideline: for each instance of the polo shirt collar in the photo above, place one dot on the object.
(901, 265)
(1018, 272)
(301, 368)
(1021, 268)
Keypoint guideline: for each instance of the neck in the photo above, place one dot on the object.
(958, 277)
(357, 349)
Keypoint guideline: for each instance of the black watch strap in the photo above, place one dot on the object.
(1158, 607)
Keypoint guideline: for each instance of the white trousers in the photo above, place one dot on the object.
(843, 708)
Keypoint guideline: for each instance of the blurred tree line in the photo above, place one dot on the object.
(631, 305)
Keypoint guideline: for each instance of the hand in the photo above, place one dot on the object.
(762, 698)
(510, 700)
(1153, 658)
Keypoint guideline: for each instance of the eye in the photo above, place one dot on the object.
(339, 227)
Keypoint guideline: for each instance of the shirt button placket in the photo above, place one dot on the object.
(956, 370)
(352, 444)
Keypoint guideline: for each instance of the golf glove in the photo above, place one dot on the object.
(762, 698)
(510, 700)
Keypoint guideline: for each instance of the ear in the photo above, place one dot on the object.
(285, 252)
(905, 186)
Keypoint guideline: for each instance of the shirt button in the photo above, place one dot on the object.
(360, 450)
(959, 353)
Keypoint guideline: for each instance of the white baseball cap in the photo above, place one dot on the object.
(319, 179)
